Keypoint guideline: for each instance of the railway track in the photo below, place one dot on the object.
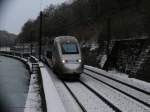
(76, 99)
(99, 96)
(123, 92)
(121, 82)
(93, 93)
(132, 92)
(83, 106)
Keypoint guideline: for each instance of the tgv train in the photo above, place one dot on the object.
(66, 57)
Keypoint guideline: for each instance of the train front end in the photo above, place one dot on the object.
(71, 59)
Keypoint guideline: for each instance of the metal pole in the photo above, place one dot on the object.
(0, 45)
(22, 49)
(31, 47)
(40, 36)
(6, 45)
(108, 38)
(108, 34)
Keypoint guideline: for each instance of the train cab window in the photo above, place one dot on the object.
(69, 48)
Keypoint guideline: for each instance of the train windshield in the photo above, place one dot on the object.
(69, 48)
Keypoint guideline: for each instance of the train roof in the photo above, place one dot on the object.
(63, 38)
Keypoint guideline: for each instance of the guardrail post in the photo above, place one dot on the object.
(35, 68)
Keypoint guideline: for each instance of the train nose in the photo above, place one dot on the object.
(72, 66)
(75, 68)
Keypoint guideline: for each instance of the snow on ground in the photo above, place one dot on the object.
(122, 101)
(68, 101)
(118, 73)
(103, 60)
(25, 60)
(135, 82)
(94, 46)
(133, 92)
(88, 99)
(33, 102)
(53, 101)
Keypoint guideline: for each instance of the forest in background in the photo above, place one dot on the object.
(91, 19)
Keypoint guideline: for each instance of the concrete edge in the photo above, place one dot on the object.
(53, 101)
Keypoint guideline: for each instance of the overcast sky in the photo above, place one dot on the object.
(16, 12)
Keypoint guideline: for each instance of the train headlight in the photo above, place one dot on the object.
(79, 60)
(64, 61)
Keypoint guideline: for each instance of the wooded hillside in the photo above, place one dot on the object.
(86, 19)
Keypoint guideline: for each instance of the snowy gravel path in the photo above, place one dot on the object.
(88, 99)
(137, 94)
(131, 81)
(33, 102)
(120, 100)
(68, 101)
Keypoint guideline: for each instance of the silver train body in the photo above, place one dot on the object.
(66, 57)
